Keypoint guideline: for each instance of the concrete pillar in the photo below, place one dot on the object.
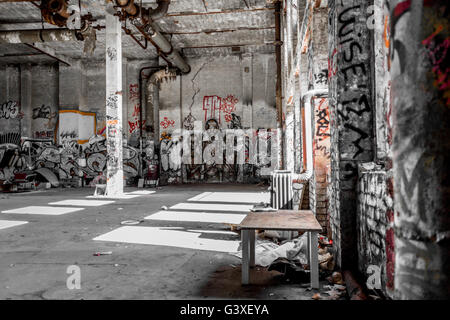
(351, 116)
(25, 100)
(114, 105)
(421, 148)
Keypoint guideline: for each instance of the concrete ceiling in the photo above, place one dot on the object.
(195, 27)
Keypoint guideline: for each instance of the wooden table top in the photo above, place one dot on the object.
(286, 220)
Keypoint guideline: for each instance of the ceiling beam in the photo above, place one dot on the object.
(182, 14)
(218, 30)
(49, 52)
(231, 45)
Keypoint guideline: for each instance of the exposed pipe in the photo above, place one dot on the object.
(140, 95)
(165, 47)
(279, 105)
(129, 7)
(39, 35)
(306, 101)
(152, 86)
(160, 11)
(128, 32)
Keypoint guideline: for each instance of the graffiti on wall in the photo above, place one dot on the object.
(134, 123)
(355, 109)
(10, 110)
(322, 134)
(166, 123)
(215, 107)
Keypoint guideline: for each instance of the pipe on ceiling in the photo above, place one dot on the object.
(39, 35)
(164, 46)
(160, 11)
(143, 19)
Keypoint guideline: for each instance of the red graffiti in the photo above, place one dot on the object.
(134, 92)
(167, 123)
(136, 125)
(211, 104)
(227, 106)
(100, 132)
(332, 67)
(137, 111)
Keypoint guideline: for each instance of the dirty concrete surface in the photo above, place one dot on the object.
(34, 257)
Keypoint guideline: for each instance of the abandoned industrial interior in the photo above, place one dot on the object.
(224, 149)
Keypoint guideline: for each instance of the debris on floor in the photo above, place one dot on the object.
(132, 222)
(267, 251)
(336, 278)
(316, 296)
(270, 234)
(335, 292)
(293, 272)
(105, 253)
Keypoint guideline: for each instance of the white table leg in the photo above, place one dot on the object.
(245, 256)
(314, 265)
(252, 247)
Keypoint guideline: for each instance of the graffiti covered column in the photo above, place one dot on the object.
(420, 39)
(114, 185)
(351, 118)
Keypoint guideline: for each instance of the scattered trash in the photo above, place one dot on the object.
(292, 271)
(324, 241)
(164, 208)
(335, 291)
(119, 208)
(267, 252)
(271, 294)
(336, 278)
(105, 253)
(131, 222)
(270, 234)
(116, 265)
(326, 261)
(316, 296)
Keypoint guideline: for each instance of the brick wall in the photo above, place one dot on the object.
(374, 208)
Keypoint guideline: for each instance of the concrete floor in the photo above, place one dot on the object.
(34, 257)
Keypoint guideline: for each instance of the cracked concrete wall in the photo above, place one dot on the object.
(245, 83)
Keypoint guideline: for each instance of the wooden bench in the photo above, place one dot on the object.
(284, 220)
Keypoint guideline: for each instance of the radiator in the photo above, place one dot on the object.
(281, 190)
(282, 196)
